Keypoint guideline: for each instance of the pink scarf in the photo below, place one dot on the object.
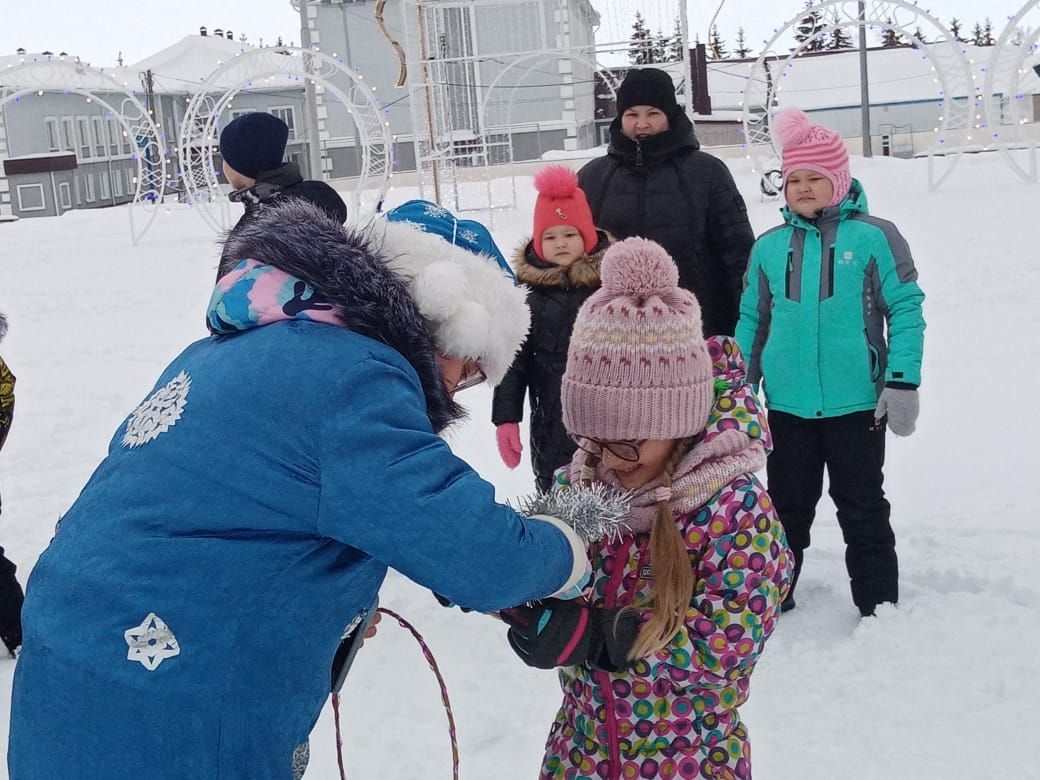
(736, 441)
(703, 472)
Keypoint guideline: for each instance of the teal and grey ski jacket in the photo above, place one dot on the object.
(819, 296)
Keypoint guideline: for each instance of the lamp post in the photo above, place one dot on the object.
(310, 101)
(864, 85)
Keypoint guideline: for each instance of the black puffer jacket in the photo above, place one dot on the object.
(665, 189)
(274, 185)
(555, 296)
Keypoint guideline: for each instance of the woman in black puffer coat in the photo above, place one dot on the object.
(655, 182)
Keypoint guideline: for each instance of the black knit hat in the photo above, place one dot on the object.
(647, 87)
(254, 142)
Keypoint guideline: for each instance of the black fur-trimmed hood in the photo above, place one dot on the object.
(351, 274)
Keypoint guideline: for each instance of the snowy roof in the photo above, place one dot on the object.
(177, 69)
(55, 72)
(897, 75)
(183, 66)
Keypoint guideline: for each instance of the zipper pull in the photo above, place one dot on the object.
(639, 154)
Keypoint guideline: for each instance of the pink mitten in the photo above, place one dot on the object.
(508, 437)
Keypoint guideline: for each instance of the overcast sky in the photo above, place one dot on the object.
(98, 31)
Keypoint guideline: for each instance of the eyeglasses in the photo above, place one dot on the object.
(473, 375)
(627, 451)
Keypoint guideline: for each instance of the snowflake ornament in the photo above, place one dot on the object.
(158, 413)
(151, 643)
(469, 236)
(433, 210)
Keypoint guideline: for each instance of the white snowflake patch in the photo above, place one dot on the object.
(433, 210)
(413, 224)
(469, 236)
(151, 643)
(159, 412)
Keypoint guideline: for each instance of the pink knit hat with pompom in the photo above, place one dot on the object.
(638, 366)
(808, 147)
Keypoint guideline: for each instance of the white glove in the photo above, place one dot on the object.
(901, 406)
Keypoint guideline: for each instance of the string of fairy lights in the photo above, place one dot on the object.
(967, 106)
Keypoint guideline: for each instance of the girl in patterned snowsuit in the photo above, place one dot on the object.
(657, 660)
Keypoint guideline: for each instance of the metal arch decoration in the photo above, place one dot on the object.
(1004, 71)
(529, 60)
(948, 58)
(38, 73)
(252, 69)
(609, 78)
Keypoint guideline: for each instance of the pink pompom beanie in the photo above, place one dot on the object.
(808, 147)
(638, 366)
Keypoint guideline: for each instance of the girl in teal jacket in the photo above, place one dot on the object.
(831, 322)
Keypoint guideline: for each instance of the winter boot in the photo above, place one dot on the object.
(789, 603)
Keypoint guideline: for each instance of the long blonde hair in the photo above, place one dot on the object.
(673, 582)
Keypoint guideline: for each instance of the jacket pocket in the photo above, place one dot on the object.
(875, 358)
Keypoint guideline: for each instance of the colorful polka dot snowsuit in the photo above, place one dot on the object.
(675, 714)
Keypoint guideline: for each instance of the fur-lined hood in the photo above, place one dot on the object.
(474, 307)
(584, 272)
(351, 274)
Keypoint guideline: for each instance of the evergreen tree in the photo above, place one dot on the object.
(891, 38)
(641, 44)
(661, 48)
(675, 45)
(742, 50)
(955, 29)
(987, 33)
(919, 35)
(716, 45)
(839, 39)
(808, 29)
(976, 35)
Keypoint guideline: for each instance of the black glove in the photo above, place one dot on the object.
(444, 601)
(553, 633)
(10, 605)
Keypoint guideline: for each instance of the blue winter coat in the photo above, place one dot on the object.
(183, 621)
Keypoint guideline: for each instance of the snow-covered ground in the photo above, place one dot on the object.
(944, 686)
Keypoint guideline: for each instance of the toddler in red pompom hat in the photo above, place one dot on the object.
(831, 323)
(560, 266)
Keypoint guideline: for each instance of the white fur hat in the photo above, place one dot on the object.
(460, 282)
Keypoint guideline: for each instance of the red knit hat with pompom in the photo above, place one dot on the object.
(808, 147)
(561, 202)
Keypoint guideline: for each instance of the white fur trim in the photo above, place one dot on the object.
(581, 566)
(476, 310)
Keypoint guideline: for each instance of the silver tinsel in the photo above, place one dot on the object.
(596, 512)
